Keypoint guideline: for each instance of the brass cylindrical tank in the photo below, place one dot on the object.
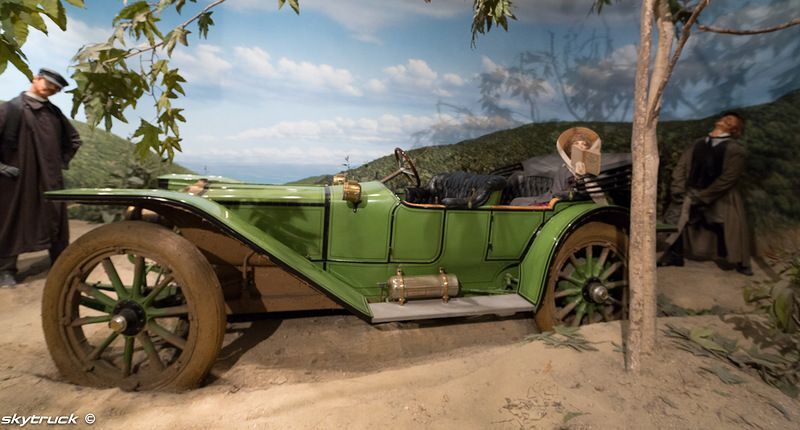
(402, 288)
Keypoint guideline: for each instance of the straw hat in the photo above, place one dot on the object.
(564, 142)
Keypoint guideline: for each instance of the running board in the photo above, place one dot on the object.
(503, 305)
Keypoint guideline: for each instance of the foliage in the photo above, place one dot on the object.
(781, 371)
(134, 62)
(780, 298)
(17, 18)
(666, 308)
(563, 337)
(488, 13)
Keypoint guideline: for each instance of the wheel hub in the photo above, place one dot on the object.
(596, 292)
(129, 318)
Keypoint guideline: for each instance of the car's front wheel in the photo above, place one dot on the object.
(133, 305)
(588, 280)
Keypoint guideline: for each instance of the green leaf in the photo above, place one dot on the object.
(203, 23)
(179, 5)
(571, 415)
(723, 374)
(16, 57)
(128, 13)
(77, 3)
(700, 335)
(149, 138)
(783, 307)
(54, 9)
(294, 4)
(21, 30)
(50, 7)
(35, 20)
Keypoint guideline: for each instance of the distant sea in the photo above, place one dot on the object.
(261, 173)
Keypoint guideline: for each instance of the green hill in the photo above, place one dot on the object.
(107, 160)
(771, 138)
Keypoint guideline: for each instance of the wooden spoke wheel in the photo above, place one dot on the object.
(588, 280)
(133, 305)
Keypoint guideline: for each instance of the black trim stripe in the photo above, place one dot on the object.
(132, 200)
(254, 203)
(326, 227)
(498, 208)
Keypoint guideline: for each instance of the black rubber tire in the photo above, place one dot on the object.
(199, 288)
(592, 232)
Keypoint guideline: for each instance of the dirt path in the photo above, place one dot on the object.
(335, 371)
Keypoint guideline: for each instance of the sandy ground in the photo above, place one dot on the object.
(335, 371)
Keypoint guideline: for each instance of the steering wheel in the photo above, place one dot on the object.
(405, 167)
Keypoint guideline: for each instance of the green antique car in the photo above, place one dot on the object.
(142, 303)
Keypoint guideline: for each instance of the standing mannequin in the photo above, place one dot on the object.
(36, 142)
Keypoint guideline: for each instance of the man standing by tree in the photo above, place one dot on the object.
(707, 174)
(36, 142)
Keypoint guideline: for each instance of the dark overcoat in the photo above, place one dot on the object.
(47, 142)
(723, 201)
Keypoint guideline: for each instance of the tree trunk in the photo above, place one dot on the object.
(641, 319)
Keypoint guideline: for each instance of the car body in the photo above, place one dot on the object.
(284, 248)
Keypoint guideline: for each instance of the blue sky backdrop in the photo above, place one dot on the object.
(273, 97)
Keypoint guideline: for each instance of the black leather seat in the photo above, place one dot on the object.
(459, 190)
(519, 184)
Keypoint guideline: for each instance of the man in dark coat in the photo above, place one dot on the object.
(36, 142)
(708, 175)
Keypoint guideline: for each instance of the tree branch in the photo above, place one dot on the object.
(135, 51)
(788, 24)
(655, 108)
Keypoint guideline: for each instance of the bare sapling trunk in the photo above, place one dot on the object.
(644, 150)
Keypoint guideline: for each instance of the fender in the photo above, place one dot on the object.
(232, 225)
(548, 240)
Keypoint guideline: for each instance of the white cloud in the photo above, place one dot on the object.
(618, 69)
(386, 128)
(489, 65)
(419, 69)
(415, 73)
(204, 65)
(454, 79)
(256, 61)
(66, 43)
(376, 86)
(318, 76)
(416, 76)
(328, 141)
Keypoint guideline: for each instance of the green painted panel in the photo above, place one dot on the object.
(280, 194)
(361, 233)
(534, 267)
(511, 232)
(299, 227)
(365, 278)
(466, 239)
(231, 222)
(416, 234)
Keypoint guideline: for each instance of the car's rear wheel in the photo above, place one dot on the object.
(133, 305)
(588, 280)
